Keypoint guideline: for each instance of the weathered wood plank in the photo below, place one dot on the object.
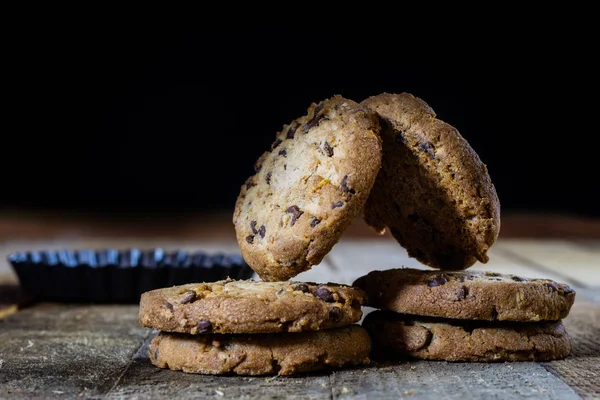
(581, 371)
(351, 258)
(588, 244)
(502, 263)
(415, 380)
(562, 257)
(58, 351)
(435, 380)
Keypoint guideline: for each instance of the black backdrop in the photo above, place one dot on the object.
(145, 119)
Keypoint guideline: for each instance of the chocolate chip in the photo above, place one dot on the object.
(268, 178)
(226, 346)
(250, 239)
(189, 298)
(314, 222)
(318, 109)
(312, 123)
(462, 293)
(345, 187)
(296, 213)
(253, 227)
(169, 305)
(437, 281)
(336, 314)
(315, 119)
(280, 292)
(302, 287)
(518, 279)
(327, 149)
(204, 326)
(427, 148)
(257, 167)
(250, 184)
(282, 153)
(552, 286)
(324, 294)
(400, 139)
(355, 303)
(261, 231)
(275, 144)
(567, 290)
(494, 314)
(337, 204)
(291, 131)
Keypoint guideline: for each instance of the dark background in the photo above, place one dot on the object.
(148, 119)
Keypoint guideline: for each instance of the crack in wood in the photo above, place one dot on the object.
(145, 341)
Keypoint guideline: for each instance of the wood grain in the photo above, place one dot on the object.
(99, 351)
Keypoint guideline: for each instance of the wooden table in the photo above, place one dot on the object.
(99, 351)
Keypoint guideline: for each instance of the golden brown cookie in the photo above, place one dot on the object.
(433, 192)
(250, 307)
(262, 354)
(395, 335)
(467, 295)
(308, 188)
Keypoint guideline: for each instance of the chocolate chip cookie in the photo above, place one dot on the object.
(433, 192)
(308, 188)
(395, 335)
(250, 307)
(262, 354)
(467, 295)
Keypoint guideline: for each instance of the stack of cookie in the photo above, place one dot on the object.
(466, 316)
(306, 191)
(255, 328)
(390, 158)
(435, 196)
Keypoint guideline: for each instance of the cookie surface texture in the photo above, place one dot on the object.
(474, 295)
(262, 354)
(250, 307)
(433, 192)
(308, 188)
(395, 335)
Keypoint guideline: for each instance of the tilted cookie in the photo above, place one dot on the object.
(467, 295)
(395, 335)
(262, 354)
(308, 188)
(250, 307)
(433, 192)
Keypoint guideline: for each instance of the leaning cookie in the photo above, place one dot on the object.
(262, 354)
(433, 192)
(467, 295)
(395, 335)
(250, 307)
(308, 188)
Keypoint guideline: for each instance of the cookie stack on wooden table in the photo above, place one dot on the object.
(466, 316)
(305, 193)
(255, 328)
(435, 196)
(405, 170)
